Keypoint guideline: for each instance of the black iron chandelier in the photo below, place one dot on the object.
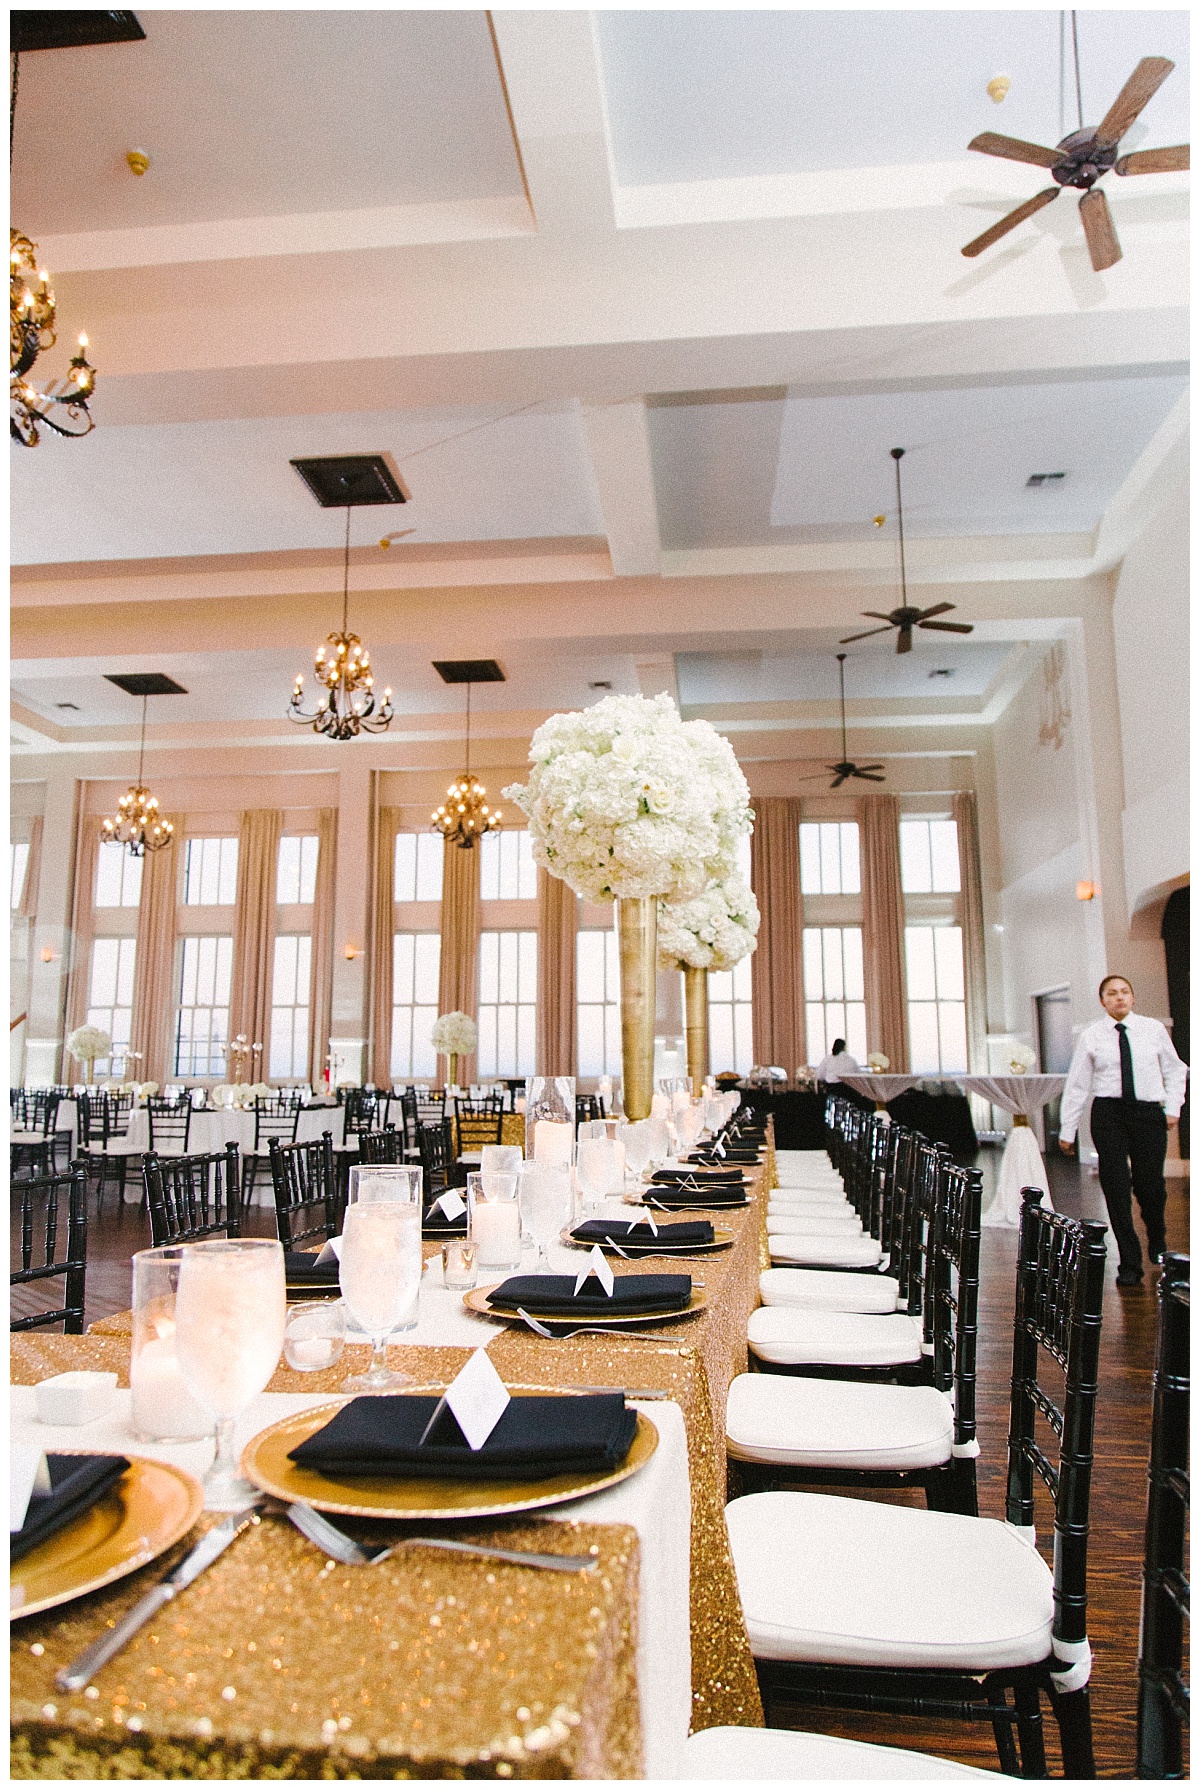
(464, 816)
(137, 824)
(343, 666)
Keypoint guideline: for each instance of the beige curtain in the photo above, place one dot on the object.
(883, 929)
(254, 933)
(776, 968)
(458, 977)
(79, 944)
(33, 870)
(381, 948)
(154, 964)
(974, 958)
(320, 997)
(557, 925)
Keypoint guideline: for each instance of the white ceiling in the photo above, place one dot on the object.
(711, 95)
(253, 114)
(805, 669)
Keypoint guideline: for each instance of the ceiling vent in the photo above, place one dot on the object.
(1037, 479)
(469, 671)
(942, 671)
(145, 683)
(340, 481)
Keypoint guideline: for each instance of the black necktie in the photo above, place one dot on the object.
(1127, 1089)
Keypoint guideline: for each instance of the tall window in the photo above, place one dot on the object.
(118, 877)
(416, 959)
(929, 857)
(730, 1018)
(507, 1002)
(829, 857)
(18, 863)
(110, 997)
(597, 1003)
(937, 1014)
(289, 1006)
(833, 990)
(210, 873)
(202, 1029)
(296, 878)
(507, 871)
(418, 875)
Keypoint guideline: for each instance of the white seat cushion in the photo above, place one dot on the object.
(844, 1251)
(814, 1224)
(847, 1581)
(812, 1179)
(837, 1423)
(793, 1337)
(737, 1754)
(828, 1291)
(789, 1199)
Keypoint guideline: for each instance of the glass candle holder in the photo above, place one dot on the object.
(315, 1335)
(161, 1407)
(494, 1220)
(458, 1264)
(550, 1120)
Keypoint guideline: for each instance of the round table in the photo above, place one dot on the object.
(1021, 1164)
(879, 1088)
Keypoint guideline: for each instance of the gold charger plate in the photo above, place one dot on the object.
(148, 1510)
(265, 1464)
(638, 1247)
(697, 1203)
(478, 1302)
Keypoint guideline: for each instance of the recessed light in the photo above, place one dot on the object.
(1037, 479)
(600, 683)
(943, 671)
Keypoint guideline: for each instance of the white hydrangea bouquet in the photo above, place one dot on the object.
(1021, 1059)
(626, 801)
(711, 931)
(877, 1063)
(86, 1044)
(454, 1034)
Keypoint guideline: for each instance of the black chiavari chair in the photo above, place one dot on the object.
(308, 1196)
(40, 1203)
(170, 1124)
(438, 1159)
(1163, 1692)
(477, 1122)
(104, 1121)
(190, 1197)
(34, 1138)
(384, 1147)
(277, 1117)
(587, 1109)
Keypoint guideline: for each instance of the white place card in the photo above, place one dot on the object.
(719, 1147)
(332, 1252)
(596, 1265)
(646, 1216)
(452, 1204)
(29, 1473)
(477, 1397)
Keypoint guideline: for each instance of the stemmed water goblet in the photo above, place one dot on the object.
(379, 1272)
(596, 1164)
(636, 1138)
(545, 1195)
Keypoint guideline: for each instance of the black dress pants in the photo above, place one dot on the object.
(1131, 1135)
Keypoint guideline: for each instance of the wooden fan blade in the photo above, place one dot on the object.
(979, 243)
(880, 617)
(904, 641)
(866, 769)
(1155, 161)
(938, 609)
(1102, 243)
(868, 778)
(866, 636)
(838, 781)
(950, 627)
(1141, 87)
(1014, 149)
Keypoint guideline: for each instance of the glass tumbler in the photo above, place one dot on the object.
(162, 1408)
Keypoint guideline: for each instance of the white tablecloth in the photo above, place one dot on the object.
(656, 1502)
(1021, 1164)
(880, 1088)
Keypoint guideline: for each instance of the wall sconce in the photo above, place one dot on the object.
(351, 952)
(49, 955)
(1085, 891)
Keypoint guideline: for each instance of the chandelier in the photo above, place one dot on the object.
(31, 321)
(464, 816)
(137, 823)
(343, 665)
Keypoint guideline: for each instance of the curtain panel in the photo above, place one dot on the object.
(883, 929)
(254, 931)
(33, 871)
(320, 993)
(154, 992)
(557, 925)
(458, 978)
(776, 968)
(87, 846)
(381, 948)
(974, 958)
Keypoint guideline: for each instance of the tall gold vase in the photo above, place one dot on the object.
(695, 998)
(637, 932)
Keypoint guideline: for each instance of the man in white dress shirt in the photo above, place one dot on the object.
(1128, 1066)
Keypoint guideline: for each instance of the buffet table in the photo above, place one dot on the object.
(799, 1113)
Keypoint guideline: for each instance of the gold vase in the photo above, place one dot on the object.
(453, 1075)
(637, 931)
(695, 998)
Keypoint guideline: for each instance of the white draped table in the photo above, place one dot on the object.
(1021, 1164)
(881, 1088)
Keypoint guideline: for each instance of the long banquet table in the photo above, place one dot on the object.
(331, 1681)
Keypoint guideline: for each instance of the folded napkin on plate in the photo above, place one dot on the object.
(622, 1230)
(534, 1439)
(434, 1223)
(717, 1195)
(77, 1481)
(632, 1294)
(673, 1177)
(302, 1270)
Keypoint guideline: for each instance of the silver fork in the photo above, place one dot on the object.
(331, 1540)
(591, 1330)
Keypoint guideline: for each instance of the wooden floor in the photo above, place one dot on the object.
(1119, 1484)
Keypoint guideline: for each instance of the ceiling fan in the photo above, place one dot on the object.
(907, 617)
(1083, 158)
(870, 773)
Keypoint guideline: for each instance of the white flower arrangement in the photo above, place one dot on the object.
(454, 1034)
(86, 1043)
(1021, 1059)
(626, 800)
(261, 1090)
(712, 931)
(877, 1063)
(145, 1090)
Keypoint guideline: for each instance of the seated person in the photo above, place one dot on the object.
(839, 1062)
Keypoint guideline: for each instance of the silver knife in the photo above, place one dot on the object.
(208, 1549)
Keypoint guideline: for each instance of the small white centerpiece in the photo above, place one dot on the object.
(87, 1044)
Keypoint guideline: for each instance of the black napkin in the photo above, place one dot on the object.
(77, 1481)
(622, 1230)
(671, 1198)
(534, 1439)
(632, 1295)
(434, 1223)
(301, 1269)
(673, 1177)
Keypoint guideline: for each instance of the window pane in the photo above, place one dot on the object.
(831, 939)
(731, 1009)
(814, 1026)
(853, 959)
(916, 877)
(18, 860)
(402, 968)
(851, 874)
(952, 1026)
(202, 1022)
(210, 873)
(831, 858)
(507, 999)
(405, 885)
(597, 1010)
(856, 1030)
(810, 858)
(489, 867)
(814, 981)
(104, 972)
(919, 962)
(721, 1046)
(948, 957)
(923, 1037)
(289, 1009)
(287, 880)
(431, 853)
(589, 970)
(833, 990)
(415, 963)
(427, 968)
(526, 868)
(943, 851)
(109, 868)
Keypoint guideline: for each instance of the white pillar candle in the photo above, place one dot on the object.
(162, 1408)
(552, 1142)
(660, 1105)
(496, 1232)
